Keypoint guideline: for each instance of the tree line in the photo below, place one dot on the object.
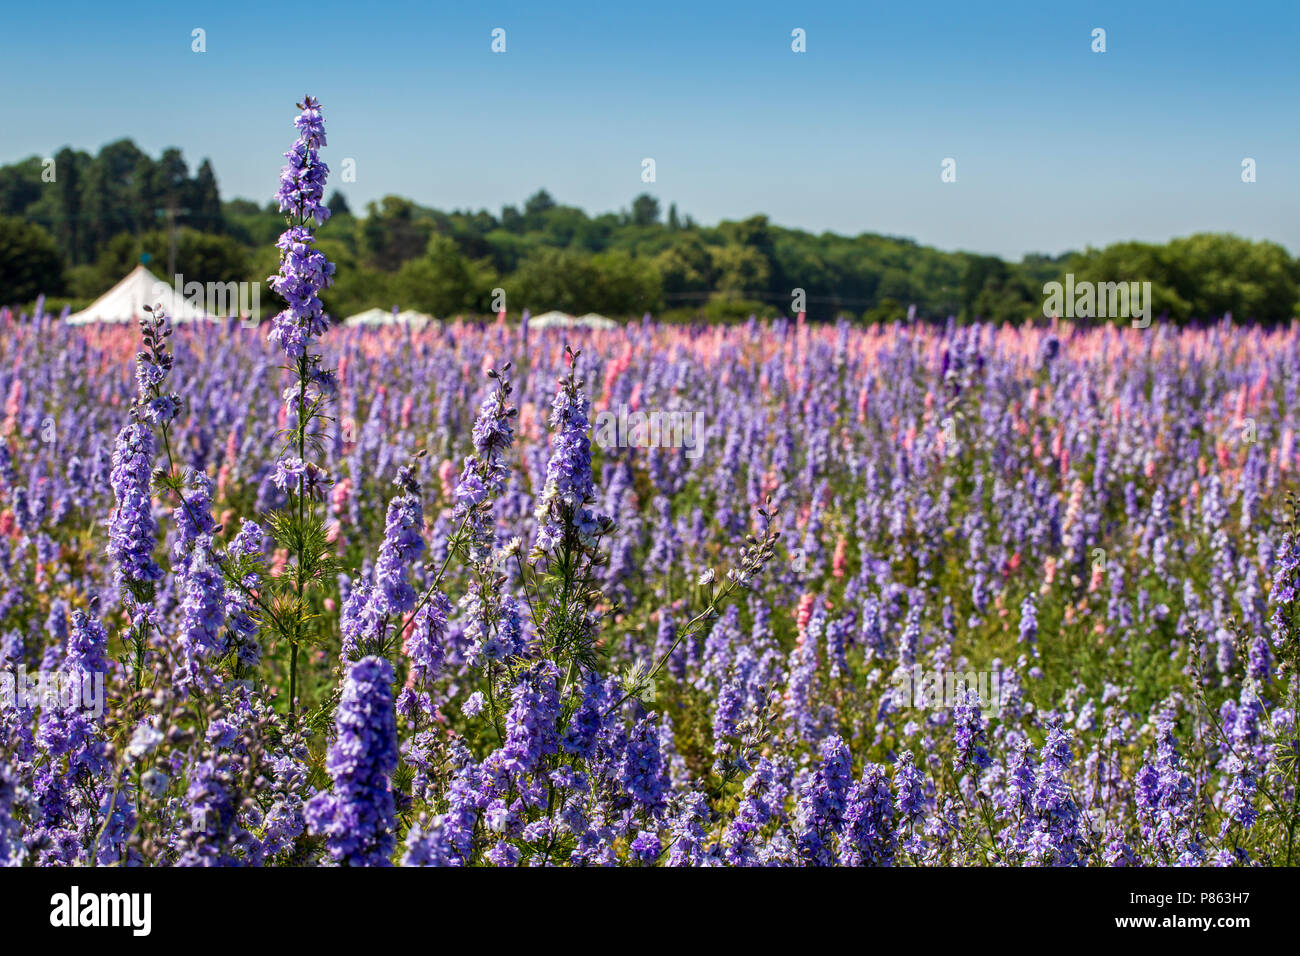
(71, 228)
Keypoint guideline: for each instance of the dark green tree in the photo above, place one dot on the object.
(30, 263)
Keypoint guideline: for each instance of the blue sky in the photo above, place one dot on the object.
(1057, 147)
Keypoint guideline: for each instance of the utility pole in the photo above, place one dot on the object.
(171, 213)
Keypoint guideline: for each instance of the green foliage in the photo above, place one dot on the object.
(1201, 276)
(200, 257)
(29, 261)
(443, 282)
(564, 279)
(551, 256)
(393, 232)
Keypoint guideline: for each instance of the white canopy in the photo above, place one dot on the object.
(389, 317)
(548, 319)
(563, 320)
(125, 302)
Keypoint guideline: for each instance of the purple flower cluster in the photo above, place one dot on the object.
(356, 816)
(304, 270)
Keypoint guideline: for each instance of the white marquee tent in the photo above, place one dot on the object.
(563, 320)
(125, 302)
(389, 317)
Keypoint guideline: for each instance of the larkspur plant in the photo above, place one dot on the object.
(455, 631)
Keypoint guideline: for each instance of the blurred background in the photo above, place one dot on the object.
(685, 160)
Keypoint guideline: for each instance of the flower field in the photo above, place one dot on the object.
(911, 595)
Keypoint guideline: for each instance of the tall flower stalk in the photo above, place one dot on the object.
(304, 274)
(132, 530)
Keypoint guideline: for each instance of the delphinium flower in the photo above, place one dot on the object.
(584, 727)
(1029, 622)
(562, 510)
(493, 624)
(450, 837)
(356, 815)
(132, 530)
(401, 546)
(800, 710)
(1286, 587)
(642, 773)
(360, 623)
(687, 819)
(424, 646)
(1239, 804)
(201, 584)
(306, 477)
(75, 756)
(372, 605)
(211, 797)
(484, 476)
(868, 837)
(1165, 795)
(762, 796)
(909, 803)
(822, 801)
(719, 646)
(87, 647)
(969, 733)
(532, 731)
(426, 844)
(304, 273)
(727, 710)
(243, 555)
(12, 850)
(909, 641)
(1058, 834)
(17, 491)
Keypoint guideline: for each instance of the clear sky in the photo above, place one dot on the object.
(1057, 147)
